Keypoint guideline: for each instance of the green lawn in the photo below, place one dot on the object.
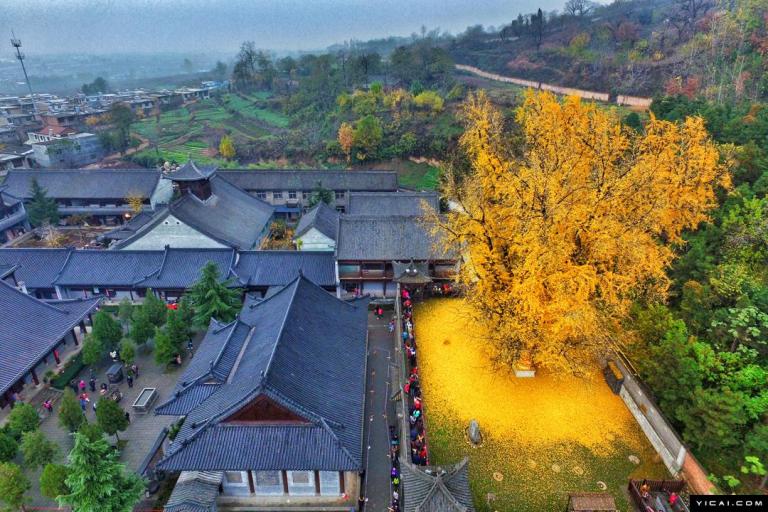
(418, 176)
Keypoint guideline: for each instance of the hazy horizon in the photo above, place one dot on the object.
(200, 26)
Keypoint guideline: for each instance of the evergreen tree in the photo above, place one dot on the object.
(125, 311)
(13, 486)
(177, 330)
(37, 449)
(165, 350)
(155, 309)
(97, 481)
(321, 195)
(91, 431)
(41, 208)
(714, 421)
(106, 330)
(141, 327)
(71, 416)
(187, 312)
(8, 447)
(52, 481)
(211, 298)
(128, 351)
(111, 417)
(23, 418)
(92, 350)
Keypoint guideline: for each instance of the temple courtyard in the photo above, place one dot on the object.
(543, 437)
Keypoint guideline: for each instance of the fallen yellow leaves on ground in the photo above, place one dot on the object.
(547, 435)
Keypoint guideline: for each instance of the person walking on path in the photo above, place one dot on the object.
(92, 384)
(127, 416)
(48, 406)
(135, 370)
(81, 385)
(130, 380)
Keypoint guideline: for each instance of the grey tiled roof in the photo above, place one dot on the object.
(172, 268)
(130, 228)
(210, 367)
(30, 328)
(277, 268)
(322, 217)
(7, 269)
(195, 491)
(108, 268)
(230, 216)
(181, 267)
(297, 179)
(436, 489)
(191, 171)
(301, 343)
(6, 198)
(38, 268)
(392, 203)
(387, 238)
(83, 183)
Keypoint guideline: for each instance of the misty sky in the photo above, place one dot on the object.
(203, 26)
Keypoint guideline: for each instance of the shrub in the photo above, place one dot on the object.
(23, 418)
(71, 369)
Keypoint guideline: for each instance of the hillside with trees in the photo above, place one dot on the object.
(709, 47)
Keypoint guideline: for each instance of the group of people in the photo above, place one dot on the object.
(673, 499)
(412, 388)
(81, 389)
(394, 453)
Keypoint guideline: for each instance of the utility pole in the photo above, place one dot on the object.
(16, 43)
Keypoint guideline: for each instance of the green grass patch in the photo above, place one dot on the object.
(419, 176)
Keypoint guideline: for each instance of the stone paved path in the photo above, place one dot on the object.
(376, 487)
(140, 434)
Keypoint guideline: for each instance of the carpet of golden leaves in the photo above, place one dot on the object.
(547, 436)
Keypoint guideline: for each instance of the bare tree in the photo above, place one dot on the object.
(686, 13)
(578, 7)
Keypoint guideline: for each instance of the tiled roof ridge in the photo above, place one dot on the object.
(296, 407)
(446, 472)
(29, 298)
(295, 284)
(399, 193)
(295, 169)
(440, 487)
(70, 251)
(224, 346)
(324, 423)
(157, 216)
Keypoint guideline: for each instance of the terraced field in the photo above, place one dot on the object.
(194, 130)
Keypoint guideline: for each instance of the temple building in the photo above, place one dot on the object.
(114, 275)
(36, 336)
(98, 196)
(208, 212)
(13, 216)
(317, 229)
(274, 407)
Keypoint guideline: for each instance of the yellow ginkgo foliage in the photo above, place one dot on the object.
(567, 221)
